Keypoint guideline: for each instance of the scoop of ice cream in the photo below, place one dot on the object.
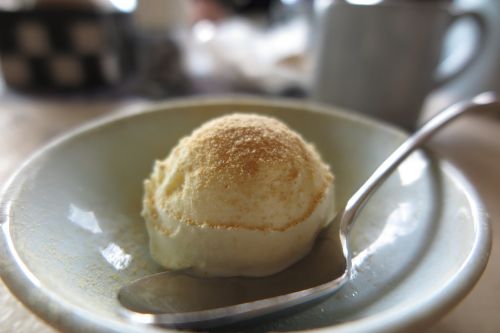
(242, 195)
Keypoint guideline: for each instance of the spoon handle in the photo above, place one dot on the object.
(415, 141)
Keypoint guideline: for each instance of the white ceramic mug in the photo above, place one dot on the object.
(380, 57)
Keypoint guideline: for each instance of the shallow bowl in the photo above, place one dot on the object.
(72, 234)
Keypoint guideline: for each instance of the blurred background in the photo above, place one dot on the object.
(393, 53)
(63, 62)
(155, 49)
(158, 49)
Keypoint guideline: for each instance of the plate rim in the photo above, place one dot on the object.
(51, 308)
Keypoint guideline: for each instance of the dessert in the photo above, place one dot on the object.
(243, 195)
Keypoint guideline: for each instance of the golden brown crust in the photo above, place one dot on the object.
(234, 147)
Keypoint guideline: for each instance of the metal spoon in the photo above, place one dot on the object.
(177, 299)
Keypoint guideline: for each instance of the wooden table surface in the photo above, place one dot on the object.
(472, 143)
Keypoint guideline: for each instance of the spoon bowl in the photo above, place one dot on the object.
(179, 300)
(189, 301)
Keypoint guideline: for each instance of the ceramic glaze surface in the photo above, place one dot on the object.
(73, 235)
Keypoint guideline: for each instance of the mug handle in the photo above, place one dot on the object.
(480, 22)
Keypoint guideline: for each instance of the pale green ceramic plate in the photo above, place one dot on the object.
(72, 233)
